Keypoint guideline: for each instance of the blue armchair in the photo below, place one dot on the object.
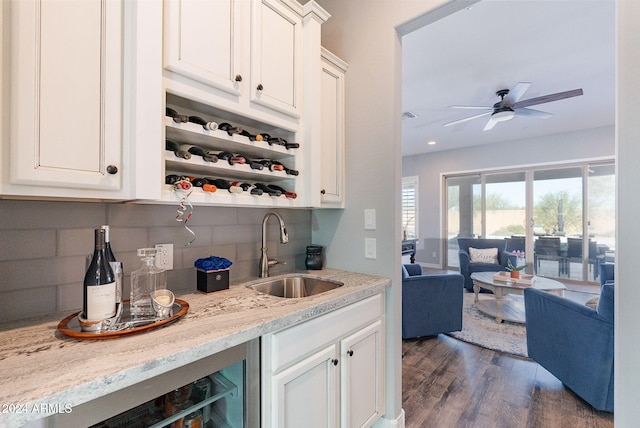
(607, 273)
(574, 342)
(431, 304)
(467, 268)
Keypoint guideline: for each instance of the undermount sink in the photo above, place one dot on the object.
(294, 286)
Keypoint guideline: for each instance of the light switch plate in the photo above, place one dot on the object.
(369, 248)
(370, 219)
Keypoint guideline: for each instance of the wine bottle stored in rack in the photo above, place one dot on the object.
(175, 148)
(199, 151)
(178, 118)
(248, 187)
(209, 126)
(229, 128)
(286, 193)
(224, 184)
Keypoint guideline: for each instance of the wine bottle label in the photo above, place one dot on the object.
(101, 301)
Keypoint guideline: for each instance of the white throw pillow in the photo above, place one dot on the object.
(483, 255)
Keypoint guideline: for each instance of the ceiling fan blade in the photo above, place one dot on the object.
(533, 113)
(490, 124)
(517, 92)
(548, 98)
(473, 107)
(455, 122)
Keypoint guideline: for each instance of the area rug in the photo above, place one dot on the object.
(483, 330)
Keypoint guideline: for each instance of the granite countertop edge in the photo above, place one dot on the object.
(36, 357)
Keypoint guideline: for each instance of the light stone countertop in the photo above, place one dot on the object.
(41, 366)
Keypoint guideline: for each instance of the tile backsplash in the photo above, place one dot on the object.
(43, 246)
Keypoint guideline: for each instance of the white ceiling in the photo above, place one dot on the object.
(464, 58)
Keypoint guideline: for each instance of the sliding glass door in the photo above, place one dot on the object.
(557, 222)
(601, 220)
(464, 212)
(544, 212)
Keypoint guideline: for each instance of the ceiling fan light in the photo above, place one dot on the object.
(502, 116)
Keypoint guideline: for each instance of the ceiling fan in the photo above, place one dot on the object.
(509, 105)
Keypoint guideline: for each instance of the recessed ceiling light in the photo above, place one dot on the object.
(431, 143)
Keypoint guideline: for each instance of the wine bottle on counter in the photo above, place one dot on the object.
(224, 184)
(268, 190)
(175, 148)
(287, 194)
(177, 118)
(268, 163)
(99, 299)
(116, 266)
(287, 170)
(248, 187)
(209, 126)
(229, 129)
(199, 151)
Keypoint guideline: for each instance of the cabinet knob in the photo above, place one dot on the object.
(335, 362)
(260, 87)
(350, 352)
(112, 169)
(238, 78)
(322, 192)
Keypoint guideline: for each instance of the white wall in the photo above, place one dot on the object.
(363, 33)
(587, 144)
(627, 411)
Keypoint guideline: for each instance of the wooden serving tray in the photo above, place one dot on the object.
(70, 326)
(525, 279)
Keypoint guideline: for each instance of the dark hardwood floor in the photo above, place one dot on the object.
(447, 383)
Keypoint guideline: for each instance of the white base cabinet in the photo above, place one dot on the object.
(328, 371)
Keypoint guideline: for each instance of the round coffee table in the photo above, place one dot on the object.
(504, 307)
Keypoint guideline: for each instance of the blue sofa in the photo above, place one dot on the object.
(467, 268)
(574, 342)
(431, 303)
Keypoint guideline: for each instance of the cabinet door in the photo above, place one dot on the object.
(332, 132)
(203, 41)
(305, 395)
(67, 93)
(362, 388)
(276, 56)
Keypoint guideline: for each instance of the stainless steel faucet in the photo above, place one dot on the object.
(265, 262)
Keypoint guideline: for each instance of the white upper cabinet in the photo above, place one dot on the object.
(243, 56)
(276, 56)
(66, 109)
(332, 131)
(69, 100)
(204, 41)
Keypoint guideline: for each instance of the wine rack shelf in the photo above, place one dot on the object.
(219, 140)
(221, 169)
(191, 133)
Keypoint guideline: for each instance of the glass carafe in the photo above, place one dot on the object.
(143, 281)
